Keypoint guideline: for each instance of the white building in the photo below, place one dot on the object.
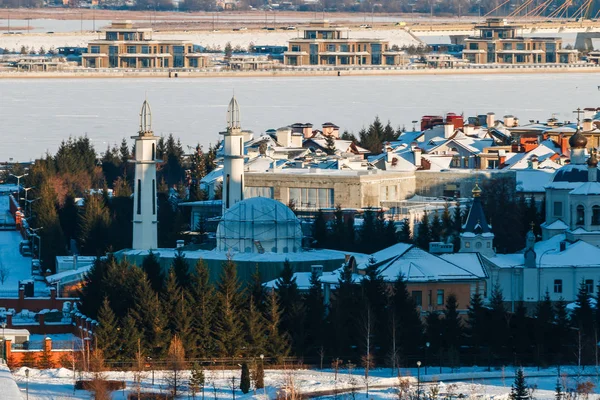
(233, 158)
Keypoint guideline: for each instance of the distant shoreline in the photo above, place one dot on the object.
(95, 74)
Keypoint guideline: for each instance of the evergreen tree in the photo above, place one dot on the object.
(277, 343)
(128, 340)
(228, 324)
(150, 318)
(202, 300)
(181, 269)
(457, 219)
(93, 289)
(520, 332)
(434, 331)
(544, 323)
(476, 323)
(245, 379)
(104, 333)
(447, 224)
(341, 317)
(436, 228)
(390, 236)
(338, 238)
(94, 226)
(562, 335)
(424, 233)
(452, 323)
(320, 234)
(330, 145)
(257, 290)
(68, 216)
(124, 152)
(255, 328)
(407, 318)
(583, 314)
(151, 267)
(405, 232)
(498, 326)
(197, 380)
(292, 309)
(51, 238)
(368, 233)
(519, 387)
(375, 298)
(176, 306)
(315, 315)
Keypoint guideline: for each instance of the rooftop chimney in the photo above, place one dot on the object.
(491, 119)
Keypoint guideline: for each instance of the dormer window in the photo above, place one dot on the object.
(580, 216)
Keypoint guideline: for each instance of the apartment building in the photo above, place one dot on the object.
(323, 44)
(124, 46)
(499, 43)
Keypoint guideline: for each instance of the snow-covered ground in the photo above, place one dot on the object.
(57, 384)
(213, 39)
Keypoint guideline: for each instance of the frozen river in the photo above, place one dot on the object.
(35, 114)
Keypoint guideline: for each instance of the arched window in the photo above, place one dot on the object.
(580, 217)
(596, 215)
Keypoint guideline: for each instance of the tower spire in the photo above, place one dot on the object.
(233, 114)
(146, 119)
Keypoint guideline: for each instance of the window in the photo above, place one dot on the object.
(258, 191)
(331, 60)
(520, 46)
(390, 60)
(295, 47)
(153, 197)
(344, 48)
(557, 209)
(440, 297)
(580, 215)
(314, 54)
(589, 286)
(331, 47)
(130, 49)
(311, 199)
(145, 49)
(558, 286)
(507, 46)
(417, 296)
(478, 245)
(193, 62)
(95, 49)
(467, 245)
(375, 54)
(596, 215)
(292, 60)
(429, 297)
(473, 46)
(139, 197)
(112, 36)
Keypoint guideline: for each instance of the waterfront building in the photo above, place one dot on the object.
(499, 43)
(124, 46)
(324, 44)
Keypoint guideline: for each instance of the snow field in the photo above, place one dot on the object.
(472, 383)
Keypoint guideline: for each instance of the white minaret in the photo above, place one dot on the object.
(144, 191)
(233, 154)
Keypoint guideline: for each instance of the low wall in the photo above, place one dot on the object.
(35, 304)
(36, 358)
(304, 71)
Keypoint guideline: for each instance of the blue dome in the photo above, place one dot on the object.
(573, 173)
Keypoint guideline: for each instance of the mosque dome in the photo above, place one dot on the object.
(578, 141)
(258, 225)
(572, 173)
(592, 161)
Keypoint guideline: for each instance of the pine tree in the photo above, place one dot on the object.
(104, 333)
(434, 331)
(124, 152)
(176, 306)
(181, 269)
(255, 328)
(320, 233)
(405, 232)
(150, 318)
(446, 223)
(197, 380)
(519, 387)
(424, 233)
(520, 332)
(94, 226)
(375, 298)
(292, 309)
(583, 314)
(457, 219)
(407, 318)
(330, 145)
(498, 326)
(544, 323)
(245, 379)
(368, 233)
(277, 343)
(453, 328)
(228, 324)
(341, 317)
(562, 334)
(315, 315)
(93, 289)
(436, 228)
(153, 270)
(202, 299)
(52, 241)
(257, 290)
(476, 323)
(175, 365)
(129, 338)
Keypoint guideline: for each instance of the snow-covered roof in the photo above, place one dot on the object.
(533, 180)
(417, 265)
(393, 251)
(588, 188)
(470, 261)
(556, 225)
(70, 276)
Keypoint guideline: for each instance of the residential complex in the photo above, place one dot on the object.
(324, 44)
(499, 43)
(124, 46)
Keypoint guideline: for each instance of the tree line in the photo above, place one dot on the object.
(367, 319)
(102, 222)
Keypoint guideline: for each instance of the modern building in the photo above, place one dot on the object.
(124, 46)
(324, 44)
(499, 43)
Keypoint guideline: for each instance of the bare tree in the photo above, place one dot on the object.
(138, 369)
(175, 365)
(4, 272)
(97, 384)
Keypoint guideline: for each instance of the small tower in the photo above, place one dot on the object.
(529, 254)
(144, 192)
(233, 158)
(477, 236)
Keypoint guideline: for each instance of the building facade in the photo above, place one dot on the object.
(499, 43)
(323, 44)
(124, 46)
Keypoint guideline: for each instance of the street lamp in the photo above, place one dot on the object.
(18, 181)
(27, 383)
(262, 367)
(30, 202)
(418, 380)
(426, 356)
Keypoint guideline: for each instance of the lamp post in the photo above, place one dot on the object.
(30, 202)
(39, 238)
(418, 380)
(262, 367)
(426, 356)
(27, 383)
(18, 181)
(3, 342)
